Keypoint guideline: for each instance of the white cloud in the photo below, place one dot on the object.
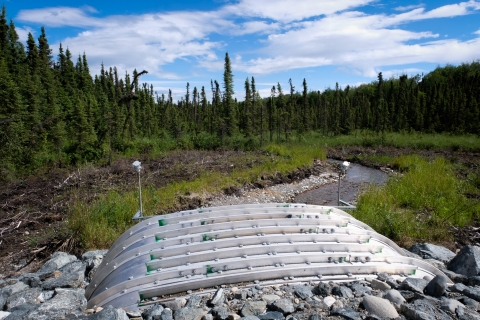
(23, 32)
(291, 10)
(410, 7)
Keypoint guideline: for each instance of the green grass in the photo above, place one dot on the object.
(419, 205)
(404, 140)
(98, 224)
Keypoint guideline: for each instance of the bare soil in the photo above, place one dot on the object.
(34, 210)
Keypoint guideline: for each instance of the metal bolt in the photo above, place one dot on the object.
(249, 268)
(241, 245)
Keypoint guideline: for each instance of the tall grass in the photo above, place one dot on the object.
(419, 205)
(98, 224)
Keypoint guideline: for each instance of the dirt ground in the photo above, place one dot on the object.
(34, 210)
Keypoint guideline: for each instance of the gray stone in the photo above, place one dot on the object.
(392, 283)
(315, 317)
(189, 313)
(380, 307)
(4, 314)
(394, 296)
(194, 301)
(109, 313)
(470, 303)
(285, 306)
(451, 305)
(437, 286)
(20, 311)
(220, 313)
(218, 297)
(458, 287)
(360, 289)
(414, 284)
(466, 314)
(472, 292)
(253, 308)
(272, 315)
(408, 295)
(174, 305)
(270, 297)
(323, 289)
(92, 260)
(455, 277)
(67, 303)
(241, 295)
(473, 281)
(342, 291)
(9, 290)
(166, 315)
(249, 318)
(431, 251)
(379, 285)
(154, 311)
(303, 292)
(346, 313)
(57, 260)
(31, 279)
(423, 309)
(382, 276)
(65, 280)
(29, 296)
(466, 262)
(329, 301)
(208, 316)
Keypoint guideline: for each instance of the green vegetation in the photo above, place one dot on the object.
(420, 204)
(98, 224)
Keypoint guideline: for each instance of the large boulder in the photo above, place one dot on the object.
(29, 296)
(10, 290)
(57, 260)
(380, 307)
(437, 286)
(466, 262)
(71, 275)
(431, 251)
(66, 304)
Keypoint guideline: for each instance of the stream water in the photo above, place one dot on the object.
(356, 178)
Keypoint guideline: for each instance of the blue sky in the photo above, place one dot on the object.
(324, 41)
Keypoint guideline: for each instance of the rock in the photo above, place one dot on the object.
(270, 297)
(174, 305)
(220, 313)
(458, 287)
(9, 290)
(253, 308)
(29, 296)
(109, 313)
(284, 306)
(423, 309)
(166, 315)
(208, 316)
(189, 313)
(380, 307)
(249, 318)
(408, 295)
(379, 285)
(67, 303)
(338, 304)
(57, 260)
(342, 291)
(455, 277)
(134, 314)
(303, 292)
(470, 303)
(360, 289)
(20, 311)
(4, 314)
(466, 262)
(472, 292)
(474, 281)
(323, 289)
(233, 316)
(65, 280)
(346, 313)
(31, 279)
(315, 317)
(195, 301)
(92, 260)
(394, 296)
(154, 311)
(329, 301)
(437, 286)
(271, 315)
(451, 305)
(241, 295)
(218, 297)
(431, 251)
(465, 313)
(414, 284)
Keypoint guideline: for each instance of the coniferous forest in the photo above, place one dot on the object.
(54, 112)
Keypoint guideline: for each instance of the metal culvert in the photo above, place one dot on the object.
(274, 242)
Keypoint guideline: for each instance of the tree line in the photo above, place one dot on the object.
(52, 111)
